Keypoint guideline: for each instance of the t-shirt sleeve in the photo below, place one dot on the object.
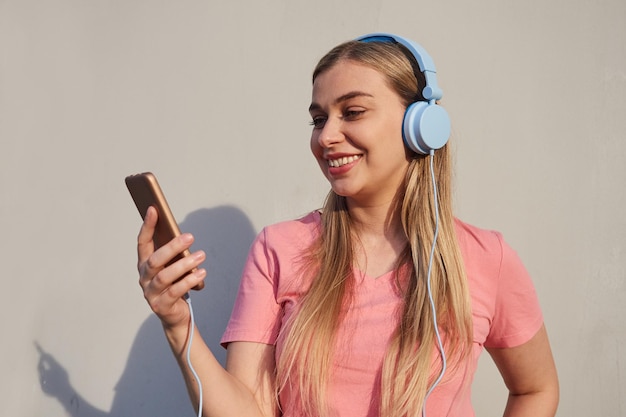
(517, 315)
(256, 314)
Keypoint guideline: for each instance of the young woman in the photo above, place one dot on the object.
(380, 303)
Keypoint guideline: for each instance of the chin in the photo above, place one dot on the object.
(343, 192)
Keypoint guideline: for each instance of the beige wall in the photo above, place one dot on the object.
(212, 96)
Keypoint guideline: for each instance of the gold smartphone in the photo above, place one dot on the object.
(145, 191)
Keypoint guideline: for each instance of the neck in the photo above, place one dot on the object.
(379, 237)
(379, 220)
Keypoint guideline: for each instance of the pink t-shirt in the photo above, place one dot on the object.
(505, 313)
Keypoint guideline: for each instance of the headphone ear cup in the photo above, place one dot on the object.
(425, 127)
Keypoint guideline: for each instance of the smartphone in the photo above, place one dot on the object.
(145, 191)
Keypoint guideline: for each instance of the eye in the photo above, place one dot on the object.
(353, 114)
(318, 122)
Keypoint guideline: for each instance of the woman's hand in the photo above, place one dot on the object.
(164, 286)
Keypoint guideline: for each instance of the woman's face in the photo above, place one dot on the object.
(357, 132)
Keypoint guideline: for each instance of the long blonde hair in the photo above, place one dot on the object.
(308, 337)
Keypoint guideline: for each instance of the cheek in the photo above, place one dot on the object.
(396, 143)
(318, 153)
(315, 147)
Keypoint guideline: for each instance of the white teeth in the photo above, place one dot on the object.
(335, 163)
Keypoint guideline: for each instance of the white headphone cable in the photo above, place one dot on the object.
(192, 327)
(428, 284)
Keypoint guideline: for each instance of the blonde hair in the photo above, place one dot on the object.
(309, 336)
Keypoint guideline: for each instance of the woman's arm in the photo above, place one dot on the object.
(246, 388)
(254, 365)
(530, 375)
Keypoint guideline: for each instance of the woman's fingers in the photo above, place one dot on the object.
(164, 282)
(161, 297)
(151, 262)
(164, 293)
(165, 277)
(145, 243)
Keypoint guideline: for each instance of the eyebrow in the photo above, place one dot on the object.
(345, 97)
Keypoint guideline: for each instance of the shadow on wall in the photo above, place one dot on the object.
(151, 385)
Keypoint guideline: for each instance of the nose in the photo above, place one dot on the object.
(330, 134)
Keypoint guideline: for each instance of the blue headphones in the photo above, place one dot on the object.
(426, 125)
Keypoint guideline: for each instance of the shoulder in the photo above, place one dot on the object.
(288, 238)
(475, 241)
(305, 228)
(486, 253)
(280, 246)
(505, 307)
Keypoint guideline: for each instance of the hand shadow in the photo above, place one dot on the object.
(151, 384)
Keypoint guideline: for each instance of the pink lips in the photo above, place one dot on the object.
(342, 169)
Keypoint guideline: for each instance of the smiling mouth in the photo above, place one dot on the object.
(336, 163)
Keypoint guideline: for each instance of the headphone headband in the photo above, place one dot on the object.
(424, 61)
(426, 125)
